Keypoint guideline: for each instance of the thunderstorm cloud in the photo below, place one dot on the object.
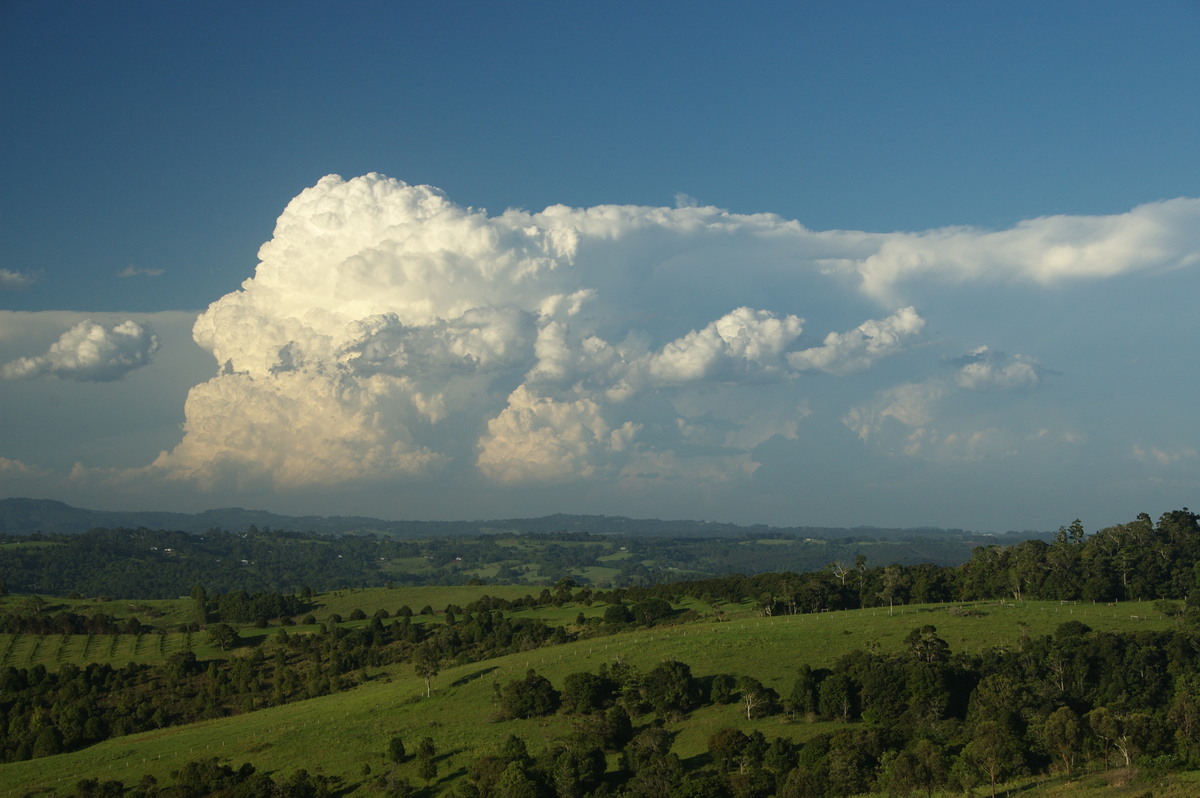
(390, 334)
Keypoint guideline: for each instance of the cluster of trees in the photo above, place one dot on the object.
(240, 606)
(48, 712)
(1136, 561)
(40, 622)
(149, 564)
(207, 777)
(921, 719)
(1141, 560)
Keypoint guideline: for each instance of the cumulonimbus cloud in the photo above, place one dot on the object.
(90, 352)
(390, 333)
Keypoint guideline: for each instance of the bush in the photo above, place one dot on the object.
(396, 749)
(530, 697)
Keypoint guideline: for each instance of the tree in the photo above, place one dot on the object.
(1184, 717)
(804, 691)
(224, 635)
(529, 697)
(722, 690)
(573, 770)
(515, 782)
(725, 747)
(670, 687)
(651, 610)
(586, 692)
(1064, 735)
(992, 753)
(932, 770)
(925, 646)
(427, 664)
(1125, 732)
(617, 614)
(426, 762)
(396, 749)
(756, 696)
(48, 743)
(199, 604)
(837, 696)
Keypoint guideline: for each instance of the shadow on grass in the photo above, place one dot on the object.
(470, 677)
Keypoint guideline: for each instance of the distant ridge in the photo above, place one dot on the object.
(19, 516)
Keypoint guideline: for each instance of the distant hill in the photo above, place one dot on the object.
(20, 516)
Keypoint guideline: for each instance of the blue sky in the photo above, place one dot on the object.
(797, 263)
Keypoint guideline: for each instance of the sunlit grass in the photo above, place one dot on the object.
(459, 716)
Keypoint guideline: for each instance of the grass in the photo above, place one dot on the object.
(370, 600)
(457, 717)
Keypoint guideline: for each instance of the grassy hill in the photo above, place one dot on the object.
(346, 733)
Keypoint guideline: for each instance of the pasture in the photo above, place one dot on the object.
(345, 733)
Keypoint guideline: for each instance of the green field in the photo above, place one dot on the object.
(340, 734)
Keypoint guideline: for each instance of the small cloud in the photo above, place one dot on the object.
(1162, 457)
(857, 350)
(88, 352)
(12, 469)
(911, 404)
(1068, 437)
(983, 369)
(15, 281)
(744, 340)
(683, 200)
(131, 271)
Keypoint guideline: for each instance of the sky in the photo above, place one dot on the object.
(805, 263)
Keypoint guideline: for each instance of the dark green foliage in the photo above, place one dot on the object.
(757, 699)
(426, 759)
(396, 751)
(528, 697)
(224, 635)
(203, 778)
(572, 770)
(725, 747)
(650, 611)
(723, 689)
(617, 614)
(670, 687)
(586, 692)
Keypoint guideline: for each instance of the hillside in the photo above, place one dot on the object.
(460, 716)
(1066, 667)
(21, 516)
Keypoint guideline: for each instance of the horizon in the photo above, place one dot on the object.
(830, 265)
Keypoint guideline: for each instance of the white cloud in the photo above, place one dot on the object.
(1163, 457)
(132, 271)
(295, 429)
(985, 369)
(539, 439)
(12, 469)
(1051, 249)
(15, 281)
(911, 404)
(389, 334)
(859, 349)
(742, 341)
(89, 352)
